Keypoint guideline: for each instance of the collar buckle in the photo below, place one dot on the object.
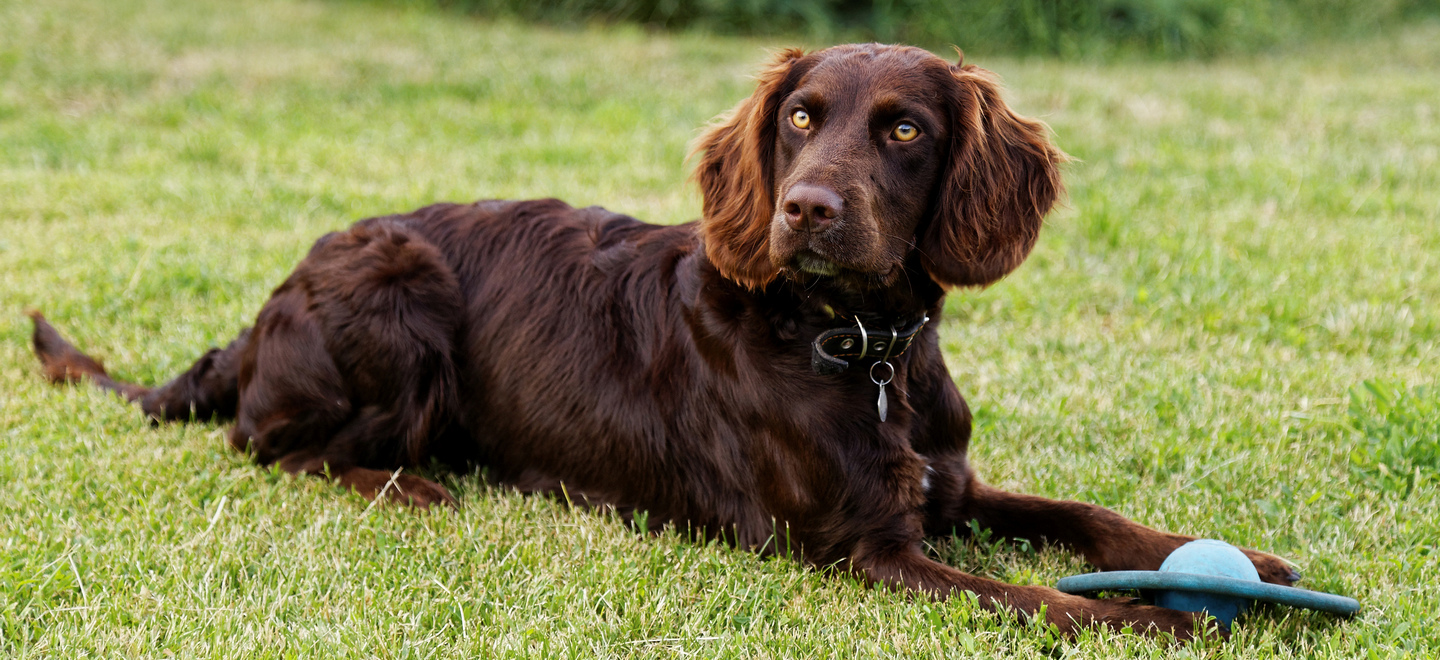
(837, 350)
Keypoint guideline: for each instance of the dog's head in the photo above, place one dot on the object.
(846, 160)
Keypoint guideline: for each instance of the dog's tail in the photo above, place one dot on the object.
(210, 388)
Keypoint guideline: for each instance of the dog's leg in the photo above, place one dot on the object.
(1104, 538)
(292, 394)
(295, 411)
(348, 372)
(908, 567)
(395, 486)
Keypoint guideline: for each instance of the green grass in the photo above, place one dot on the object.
(1061, 28)
(1228, 330)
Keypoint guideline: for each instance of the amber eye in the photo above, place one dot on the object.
(800, 119)
(905, 132)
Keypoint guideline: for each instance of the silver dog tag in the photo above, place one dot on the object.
(881, 405)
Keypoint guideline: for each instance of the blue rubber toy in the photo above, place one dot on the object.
(1208, 575)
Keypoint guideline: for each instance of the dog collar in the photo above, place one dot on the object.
(836, 350)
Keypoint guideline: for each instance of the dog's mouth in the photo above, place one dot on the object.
(807, 266)
(806, 261)
(848, 255)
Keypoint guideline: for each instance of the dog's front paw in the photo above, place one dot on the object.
(1273, 569)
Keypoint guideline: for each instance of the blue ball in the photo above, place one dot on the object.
(1208, 557)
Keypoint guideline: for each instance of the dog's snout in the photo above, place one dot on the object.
(812, 208)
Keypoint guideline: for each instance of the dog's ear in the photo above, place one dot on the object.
(1002, 178)
(736, 175)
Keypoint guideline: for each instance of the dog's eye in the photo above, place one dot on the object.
(905, 132)
(800, 119)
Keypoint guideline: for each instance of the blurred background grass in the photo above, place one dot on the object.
(1066, 28)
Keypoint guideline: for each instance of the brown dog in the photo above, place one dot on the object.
(767, 368)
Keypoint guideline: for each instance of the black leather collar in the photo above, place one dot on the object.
(865, 344)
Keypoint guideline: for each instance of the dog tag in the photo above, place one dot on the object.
(881, 404)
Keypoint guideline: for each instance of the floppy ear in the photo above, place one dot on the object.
(737, 176)
(1002, 179)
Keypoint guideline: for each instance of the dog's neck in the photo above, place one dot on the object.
(804, 306)
(908, 297)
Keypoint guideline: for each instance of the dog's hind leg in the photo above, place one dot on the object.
(209, 388)
(348, 372)
(300, 412)
(336, 461)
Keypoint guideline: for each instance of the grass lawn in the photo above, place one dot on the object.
(1247, 244)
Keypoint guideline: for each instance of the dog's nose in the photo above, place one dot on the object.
(811, 208)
